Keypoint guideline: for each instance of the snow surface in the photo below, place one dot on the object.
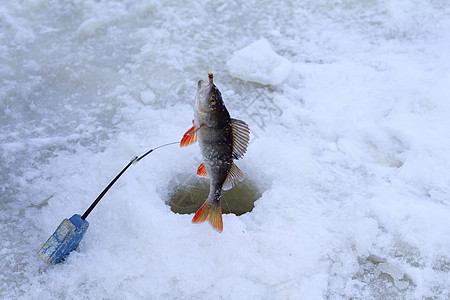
(350, 151)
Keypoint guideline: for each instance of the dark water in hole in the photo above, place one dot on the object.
(189, 192)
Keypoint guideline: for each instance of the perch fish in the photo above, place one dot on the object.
(222, 140)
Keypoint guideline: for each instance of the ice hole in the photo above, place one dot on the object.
(189, 192)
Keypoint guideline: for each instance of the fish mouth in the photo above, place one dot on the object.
(205, 85)
(204, 90)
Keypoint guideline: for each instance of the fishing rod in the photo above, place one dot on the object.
(132, 162)
(70, 232)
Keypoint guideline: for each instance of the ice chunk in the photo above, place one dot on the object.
(148, 96)
(258, 62)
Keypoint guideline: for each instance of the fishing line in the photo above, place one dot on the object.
(184, 183)
(226, 202)
(136, 159)
(132, 162)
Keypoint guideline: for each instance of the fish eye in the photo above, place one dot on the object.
(212, 101)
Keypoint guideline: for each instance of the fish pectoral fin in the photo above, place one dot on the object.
(201, 171)
(234, 176)
(241, 137)
(212, 212)
(190, 137)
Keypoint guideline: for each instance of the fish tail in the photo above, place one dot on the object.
(212, 212)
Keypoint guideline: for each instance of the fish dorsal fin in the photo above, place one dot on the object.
(201, 171)
(241, 136)
(234, 176)
(189, 137)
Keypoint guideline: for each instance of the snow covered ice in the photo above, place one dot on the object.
(349, 150)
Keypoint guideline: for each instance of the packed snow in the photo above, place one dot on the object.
(348, 103)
